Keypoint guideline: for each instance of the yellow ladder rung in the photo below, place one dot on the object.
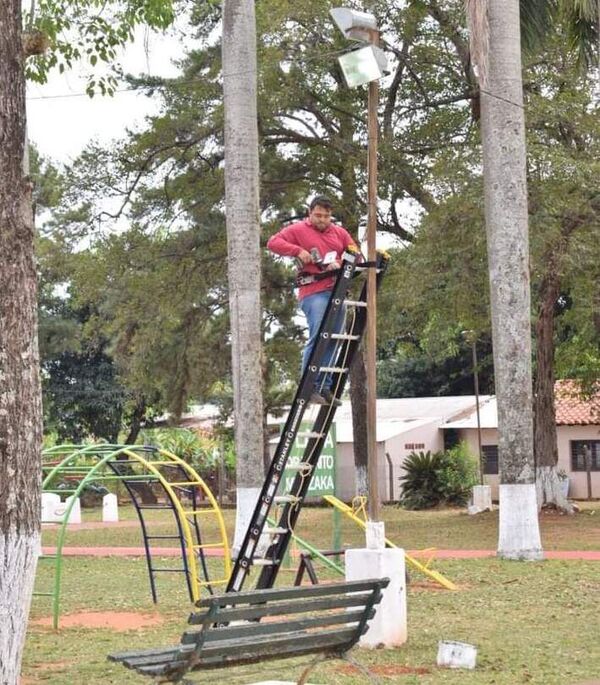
(198, 512)
(204, 583)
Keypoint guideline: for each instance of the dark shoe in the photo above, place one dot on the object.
(331, 398)
(315, 398)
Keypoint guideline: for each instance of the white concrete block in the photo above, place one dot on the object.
(388, 627)
(482, 497)
(456, 654)
(50, 501)
(110, 508)
(74, 515)
(375, 534)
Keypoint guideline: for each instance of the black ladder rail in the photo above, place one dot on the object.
(245, 558)
(299, 489)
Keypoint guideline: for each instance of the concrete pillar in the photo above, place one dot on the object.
(482, 499)
(388, 627)
(74, 516)
(50, 501)
(110, 508)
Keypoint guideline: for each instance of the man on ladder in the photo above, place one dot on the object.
(318, 244)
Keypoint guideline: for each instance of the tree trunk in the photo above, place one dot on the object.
(503, 136)
(20, 392)
(135, 425)
(243, 249)
(545, 445)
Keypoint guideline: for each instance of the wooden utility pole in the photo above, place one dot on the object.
(371, 334)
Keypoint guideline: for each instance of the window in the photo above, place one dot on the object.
(578, 448)
(490, 458)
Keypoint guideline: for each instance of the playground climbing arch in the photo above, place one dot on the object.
(154, 479)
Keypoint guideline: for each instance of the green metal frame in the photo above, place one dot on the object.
(105, 453)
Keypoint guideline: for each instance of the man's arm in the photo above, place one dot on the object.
(282, 244)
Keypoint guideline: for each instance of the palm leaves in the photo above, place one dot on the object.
(581, 18)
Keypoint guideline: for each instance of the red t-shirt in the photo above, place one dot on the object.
(289, 241)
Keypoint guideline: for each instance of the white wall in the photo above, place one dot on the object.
(489, 436)
(421, 438)
(578, 479)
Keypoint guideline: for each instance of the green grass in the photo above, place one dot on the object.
(531, 622)
(440, 528)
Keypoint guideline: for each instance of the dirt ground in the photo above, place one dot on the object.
(111, 620)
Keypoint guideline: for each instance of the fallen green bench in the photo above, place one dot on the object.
(229, 631)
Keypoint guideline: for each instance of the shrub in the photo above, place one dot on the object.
(421, 483)
(459, 474)
(438, 478)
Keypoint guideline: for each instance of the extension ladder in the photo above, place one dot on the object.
(269, 555)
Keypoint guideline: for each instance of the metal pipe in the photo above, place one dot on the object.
(390, 475)
(476, 384)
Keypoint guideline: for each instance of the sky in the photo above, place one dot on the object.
(62, 119)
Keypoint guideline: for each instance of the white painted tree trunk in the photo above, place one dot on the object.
(549, 489)
(20, 393)
(243, 248)
(18, 558)
(504, 157)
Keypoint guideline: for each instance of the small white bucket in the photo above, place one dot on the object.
(456, 654)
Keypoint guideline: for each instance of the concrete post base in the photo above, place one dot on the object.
(375, 534)
(110, 508)
(482, 499)
(388, 627)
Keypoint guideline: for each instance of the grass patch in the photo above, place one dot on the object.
(531, 622)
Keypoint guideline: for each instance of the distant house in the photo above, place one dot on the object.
(404, 425)
(430, 423)
(577, 427)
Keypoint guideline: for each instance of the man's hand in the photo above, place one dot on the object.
(304, 257)
(333, 265)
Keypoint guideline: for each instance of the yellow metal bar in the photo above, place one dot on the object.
(187, 533)
(186, 483)
(434, 575)
(204, 583)
(197, 481)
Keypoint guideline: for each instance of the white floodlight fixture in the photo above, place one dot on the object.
(353, 24)
(382, 61)
(359, 67)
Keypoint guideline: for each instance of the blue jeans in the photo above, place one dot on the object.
(313, 307)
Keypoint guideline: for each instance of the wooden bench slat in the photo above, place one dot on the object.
(276, 643)
(121, 656)
(265, 629)
(273, 595)
(287, 647)
(283, 609)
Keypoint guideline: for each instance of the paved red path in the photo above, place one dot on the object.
(586, 555)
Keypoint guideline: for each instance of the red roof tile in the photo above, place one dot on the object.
(571, 408)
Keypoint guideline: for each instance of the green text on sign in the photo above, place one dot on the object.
(323, 479)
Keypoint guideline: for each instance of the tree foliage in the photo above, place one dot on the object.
(88, 31)
(160, 283)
